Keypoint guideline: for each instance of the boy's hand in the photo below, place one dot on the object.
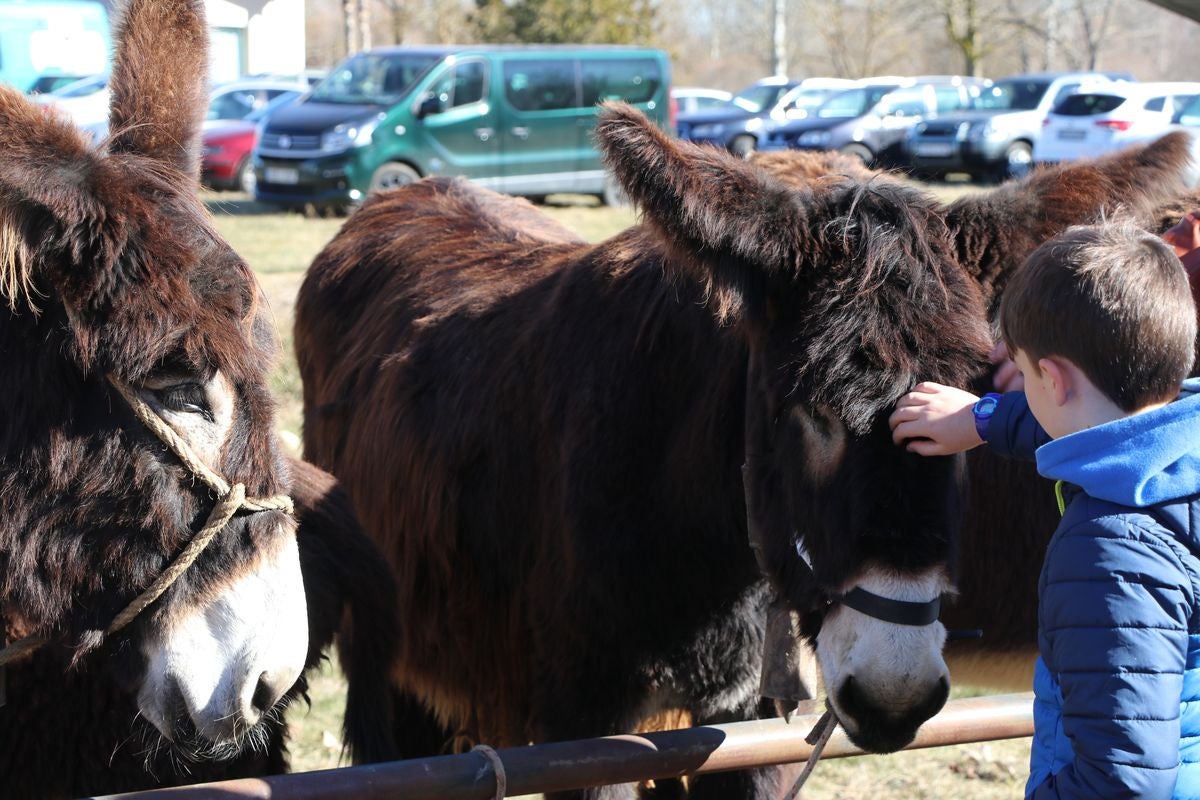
(935, 420)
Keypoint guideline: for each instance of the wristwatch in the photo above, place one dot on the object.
(982, 411)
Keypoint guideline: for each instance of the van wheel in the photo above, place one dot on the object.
(743, 146)
(613, 195)
(860, 152)
(393, 175)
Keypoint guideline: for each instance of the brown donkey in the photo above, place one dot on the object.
(547, 437)
(146, 538)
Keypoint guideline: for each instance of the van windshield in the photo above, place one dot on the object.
(374, 78)
(1014, 95)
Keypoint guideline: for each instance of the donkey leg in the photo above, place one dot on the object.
(418, 732)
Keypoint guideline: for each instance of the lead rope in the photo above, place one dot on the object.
(231, 499)
(818, 737)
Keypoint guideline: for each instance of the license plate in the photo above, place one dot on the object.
(1072, 135)
(935, 149)
(285, 175)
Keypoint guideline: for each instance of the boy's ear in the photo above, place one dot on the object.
(159, 82)
(996, 232)
(1056, 376)
(730, 221)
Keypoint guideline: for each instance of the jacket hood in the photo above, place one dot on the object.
(1152, 458)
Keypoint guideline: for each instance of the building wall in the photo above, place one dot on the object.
(251, 37)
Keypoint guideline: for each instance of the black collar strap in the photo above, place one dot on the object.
(899, 612)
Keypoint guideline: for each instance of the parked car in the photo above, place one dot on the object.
(514, 118)
(239, 99)
(1091, 123)
(85, 101)
(227, 145)
(994, 138)
(690, 99)
(736, 126)
(1187, 119)
(48, 82)
(870, 122)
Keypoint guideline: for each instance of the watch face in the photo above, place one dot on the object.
(986, 405)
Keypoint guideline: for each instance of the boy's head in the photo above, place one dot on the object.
(1114, 301)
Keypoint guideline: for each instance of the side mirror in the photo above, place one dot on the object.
(430, 104)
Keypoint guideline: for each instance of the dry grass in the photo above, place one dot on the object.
(279, 248)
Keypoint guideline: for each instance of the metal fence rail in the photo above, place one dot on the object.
(612, 759)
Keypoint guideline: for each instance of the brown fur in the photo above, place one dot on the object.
(546, 436)
(114, 246)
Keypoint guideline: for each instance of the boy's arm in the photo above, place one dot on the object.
(937, 420)
(1013, 430)
(1114, 625)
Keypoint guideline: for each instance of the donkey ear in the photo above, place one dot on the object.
(159, 81)
(46, 167)
(996, 232)
(745, 225)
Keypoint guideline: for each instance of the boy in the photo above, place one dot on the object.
(1102, 326)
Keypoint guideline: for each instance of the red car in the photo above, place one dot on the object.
(227, 144)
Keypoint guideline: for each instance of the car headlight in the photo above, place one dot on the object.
(985, 130)
(813, 139)
(964, 130)
(753, 124)
(349, 135)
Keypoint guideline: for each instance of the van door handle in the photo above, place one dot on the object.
(484, 133)
(520, 132)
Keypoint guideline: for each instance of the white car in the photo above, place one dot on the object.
(1100, 119)
(693, 98)
(85, 101)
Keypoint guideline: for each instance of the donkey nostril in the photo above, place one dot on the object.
(264, 694)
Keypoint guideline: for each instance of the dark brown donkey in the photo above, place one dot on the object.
(134, 417)
(547, 438)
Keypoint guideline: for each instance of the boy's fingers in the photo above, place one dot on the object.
(909, 430)
(926, 447)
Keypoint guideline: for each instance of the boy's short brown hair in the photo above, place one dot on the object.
(1115, 301)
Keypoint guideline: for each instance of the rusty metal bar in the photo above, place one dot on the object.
(613, 759)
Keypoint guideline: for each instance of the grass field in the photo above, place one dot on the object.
(279, 248)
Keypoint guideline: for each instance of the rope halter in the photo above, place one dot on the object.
(230, 500)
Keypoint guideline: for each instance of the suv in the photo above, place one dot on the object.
(735, 127)
(514, 118)
(871, 122)
(995, 138)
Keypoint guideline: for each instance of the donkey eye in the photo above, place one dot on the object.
(188, 398)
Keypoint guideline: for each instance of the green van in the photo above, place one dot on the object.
(517, 119)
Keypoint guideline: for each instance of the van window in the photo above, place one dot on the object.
(460, 85)
(908, 102)
(634, 80)
(1155, 104)
(380, 78)
(540, 85)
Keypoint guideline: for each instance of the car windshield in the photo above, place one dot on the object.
(1011, 96)
(82, 88)
(852, 102)
(282, 100)
(756, 98)
(375, 78)
(806, 99)
(1190, 113)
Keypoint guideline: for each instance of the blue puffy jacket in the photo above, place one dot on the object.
(1117, 683)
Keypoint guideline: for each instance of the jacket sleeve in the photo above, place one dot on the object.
(1114, 630)
(1013, 430)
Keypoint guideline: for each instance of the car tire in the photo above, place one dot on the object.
(393, 175)
(1018, 160)
(859, 151)
(743, 146)
(613, 195)
(245, 180)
